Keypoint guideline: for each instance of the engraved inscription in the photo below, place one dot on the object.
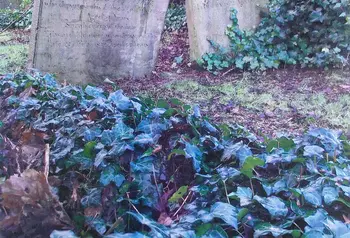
(92, 39)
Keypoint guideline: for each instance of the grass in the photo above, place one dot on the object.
(318, 108)
(13, 58)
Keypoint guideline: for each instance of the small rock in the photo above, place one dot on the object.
(269, 113)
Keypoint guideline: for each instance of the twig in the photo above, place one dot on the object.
(115, 225)
(228, 71)
(155, 180)
(183, 204)
(298, 227)
(47, 161)
(251, 186)
(17, 20)
(228, 199)
(127, 194)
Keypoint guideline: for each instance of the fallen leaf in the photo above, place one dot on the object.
(165, 220)
(31, 207)
(93, 211)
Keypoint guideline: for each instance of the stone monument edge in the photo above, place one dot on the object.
(34, 32)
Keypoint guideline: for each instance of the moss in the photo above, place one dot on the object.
(13, 58)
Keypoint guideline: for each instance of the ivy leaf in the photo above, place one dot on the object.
(122, 102)
(312, 195)
(194, 153)
(249, 164)
(178, 194)
(242, 213)
(119, 132)
(338, 228)
(330, 194)
(313, 150)
(313, 234)
(157, 229)
(98, 224)
(228, 173)
(100, 157)
(119, 148)
(144, 140)
(225, 212)
(245, 195)
(111, 174)
(216, 232)
(142, 165)
(283, 142)
(126, 235)
(63, 234)
(89, 148)
(316, 221)
(316, 16)
(94, 92)
(266, 229)
(274, 205)
(92, 198)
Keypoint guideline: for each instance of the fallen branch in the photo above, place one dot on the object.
(47, 161)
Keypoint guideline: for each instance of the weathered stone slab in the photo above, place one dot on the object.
(90, 40)
(208, 20)
(13, 4)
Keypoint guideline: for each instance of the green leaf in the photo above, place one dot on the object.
(244, 195)
(225, 212)
(274, 205)
(119, 132)
(265, 229)
(111, 174)
(94, 92)
(63, 234)
(92, 198)
(194, 153)
(249, 164)
(142, 165)
(217, 232)
(312, 195)
(126, 235)
(202, 229)
(330, 194)
(242, 213)
(100, 157)
(339, 229)
(178, 194)
(89, 149)
(313, 151)
(316, 221)
(283, 142)
(313, 234)
(157, 229)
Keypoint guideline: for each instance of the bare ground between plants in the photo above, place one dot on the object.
(287, 100)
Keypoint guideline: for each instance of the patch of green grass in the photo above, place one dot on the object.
(241, 93)
(4, 37)
(13, 58)
(318, 107)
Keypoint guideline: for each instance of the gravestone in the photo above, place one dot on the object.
(85, 41)
(13, 4)
(208, 20)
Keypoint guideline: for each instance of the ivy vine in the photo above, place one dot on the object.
(313, 33)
